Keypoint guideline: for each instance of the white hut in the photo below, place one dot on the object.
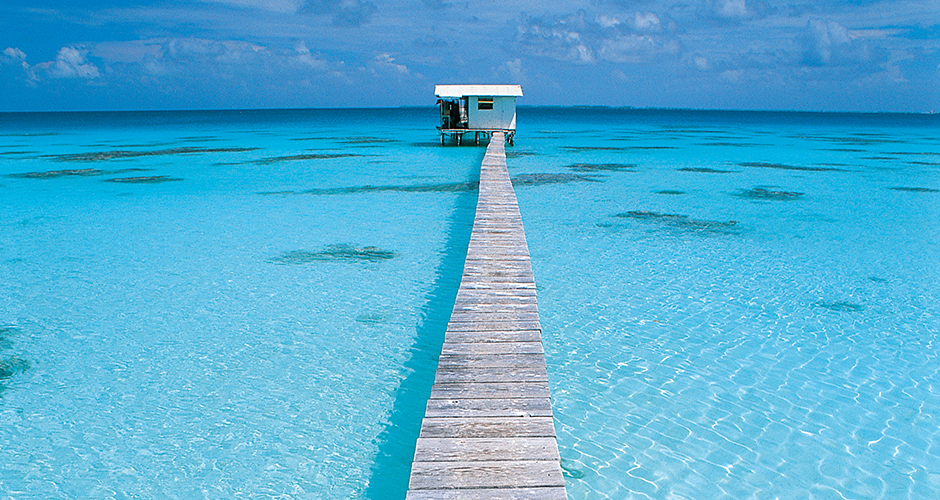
(480, 109)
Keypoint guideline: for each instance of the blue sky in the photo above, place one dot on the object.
(708, 54)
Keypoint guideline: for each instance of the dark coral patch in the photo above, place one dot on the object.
(336, 253)
(452, 187)
(520, 154)
(594, 148)
(366, 140)
(781, 166)
(543, 179)
(840, 306)
(915, 189)
(78, 172)
(706, 170)
(149, 179)
(680, 221)
(117, 155)
(760, 193)
(52, 174)
(301, 157)
(11, 366)
(601, 167)
(5, 332)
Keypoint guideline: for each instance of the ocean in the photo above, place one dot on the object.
(228, 304)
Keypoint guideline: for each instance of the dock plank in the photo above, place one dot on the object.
(449, 408)
(484, 449)
(543, 493)
(492, 474)
(490, 390)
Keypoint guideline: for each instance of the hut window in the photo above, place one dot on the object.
(485, 103)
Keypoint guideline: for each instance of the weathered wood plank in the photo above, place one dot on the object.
(482, 449)
(490, 360)
(492, 348)
(470, 326)
(522, 407)
(491, 390)
(529, 285)
(487, 427)
(496, 296)
(495, 307)
(492, 336)
(495, 474)
(489, 317)
(480, 375)
(538, 493)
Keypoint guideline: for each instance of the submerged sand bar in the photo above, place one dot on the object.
(487, 431)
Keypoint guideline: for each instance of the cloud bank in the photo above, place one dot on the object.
(873, 55)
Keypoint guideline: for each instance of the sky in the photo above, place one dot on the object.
(861, 55)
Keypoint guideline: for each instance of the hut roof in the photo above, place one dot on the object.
(479, 90)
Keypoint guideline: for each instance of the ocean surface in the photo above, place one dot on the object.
(250, 304)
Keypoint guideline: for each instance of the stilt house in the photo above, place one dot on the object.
(477, 109)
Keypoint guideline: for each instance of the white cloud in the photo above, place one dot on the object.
(128, 52)
(14, 53)
(628, 48)
(282, 6)
(514, 69)
(607, 22)
(70, 62)
(646, 21)
(387, 62)
(228, 52)
(305, 58)
(344, 12)
(828, 42)
(731, 8)
(582, 40)
(701, 63)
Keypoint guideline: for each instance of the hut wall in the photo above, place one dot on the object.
(502, 116)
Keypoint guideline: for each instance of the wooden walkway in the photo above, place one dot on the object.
(487, 431)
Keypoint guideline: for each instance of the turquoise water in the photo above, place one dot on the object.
(235, 304)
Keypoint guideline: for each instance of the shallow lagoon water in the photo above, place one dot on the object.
(266, 323)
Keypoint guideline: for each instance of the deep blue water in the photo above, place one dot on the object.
(250, 303)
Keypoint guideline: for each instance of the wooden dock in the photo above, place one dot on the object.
(487, 431)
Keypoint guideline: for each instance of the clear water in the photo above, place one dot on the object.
(734, 305)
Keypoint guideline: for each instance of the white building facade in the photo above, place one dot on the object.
(477, 109)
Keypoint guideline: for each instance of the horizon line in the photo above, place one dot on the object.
(520, 106)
